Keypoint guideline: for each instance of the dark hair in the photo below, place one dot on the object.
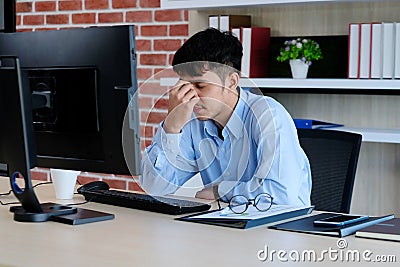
(207, 47)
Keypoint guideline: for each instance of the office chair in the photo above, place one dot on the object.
(333, 157)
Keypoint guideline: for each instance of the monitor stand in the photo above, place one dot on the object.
(31, 210)
(49, 210)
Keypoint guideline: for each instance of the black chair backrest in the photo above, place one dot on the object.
(333, 157)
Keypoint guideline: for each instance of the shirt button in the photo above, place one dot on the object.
(227, 173)
(223, 149)
(164, 140)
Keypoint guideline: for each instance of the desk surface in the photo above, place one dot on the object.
(140, 238)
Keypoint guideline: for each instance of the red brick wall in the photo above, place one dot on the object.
(158, 34)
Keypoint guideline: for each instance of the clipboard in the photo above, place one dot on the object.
(276, 213)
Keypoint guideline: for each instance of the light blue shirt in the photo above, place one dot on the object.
(259, 153)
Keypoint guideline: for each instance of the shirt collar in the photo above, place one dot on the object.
(235, 123)
(210, 128)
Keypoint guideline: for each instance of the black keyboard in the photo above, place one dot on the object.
(144, 202)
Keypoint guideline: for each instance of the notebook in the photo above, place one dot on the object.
(306, 225)
(387, 230)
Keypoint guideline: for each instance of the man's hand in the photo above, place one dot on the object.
(182, 99)
(206, 193)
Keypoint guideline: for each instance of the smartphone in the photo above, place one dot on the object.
(340, 220)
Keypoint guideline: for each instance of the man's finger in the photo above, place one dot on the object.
(191, 94)
(178, 85)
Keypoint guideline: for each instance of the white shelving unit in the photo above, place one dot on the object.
(202, 4)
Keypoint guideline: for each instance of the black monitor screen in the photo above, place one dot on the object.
(81, 82)
(7, 16)
(1, 15)
(64, 105)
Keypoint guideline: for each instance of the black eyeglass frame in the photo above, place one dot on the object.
(251, 201)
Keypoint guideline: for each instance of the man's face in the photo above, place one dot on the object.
(214, 97)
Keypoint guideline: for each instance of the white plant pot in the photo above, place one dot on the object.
(299, 69)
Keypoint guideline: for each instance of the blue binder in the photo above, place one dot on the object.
(314, 124)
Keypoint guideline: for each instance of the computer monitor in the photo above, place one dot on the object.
(81, 82)
(7, 16)
(17, 149)
(1, 15)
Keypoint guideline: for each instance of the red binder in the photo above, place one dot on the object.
(256, 47)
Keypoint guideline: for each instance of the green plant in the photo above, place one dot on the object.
(305, 49)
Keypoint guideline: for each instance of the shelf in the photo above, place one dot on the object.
(203, 4)
(324, 86)
(374, 135)
(368, 134)
(336, 84)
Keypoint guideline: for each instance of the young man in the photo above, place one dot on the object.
(240, 143)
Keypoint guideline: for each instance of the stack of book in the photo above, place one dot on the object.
(255, 41)
(387, 230)
(256, 49)
(374, 50)
(228, 22)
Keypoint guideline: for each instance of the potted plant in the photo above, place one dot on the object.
(300, 53)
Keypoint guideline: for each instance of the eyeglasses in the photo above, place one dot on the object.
(239, 204)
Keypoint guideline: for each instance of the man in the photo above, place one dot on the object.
(240, 143)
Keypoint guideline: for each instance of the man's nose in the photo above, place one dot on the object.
(198, 91)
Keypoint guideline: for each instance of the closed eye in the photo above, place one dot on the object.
(200, 85)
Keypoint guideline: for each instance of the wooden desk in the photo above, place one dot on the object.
(140, 238)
